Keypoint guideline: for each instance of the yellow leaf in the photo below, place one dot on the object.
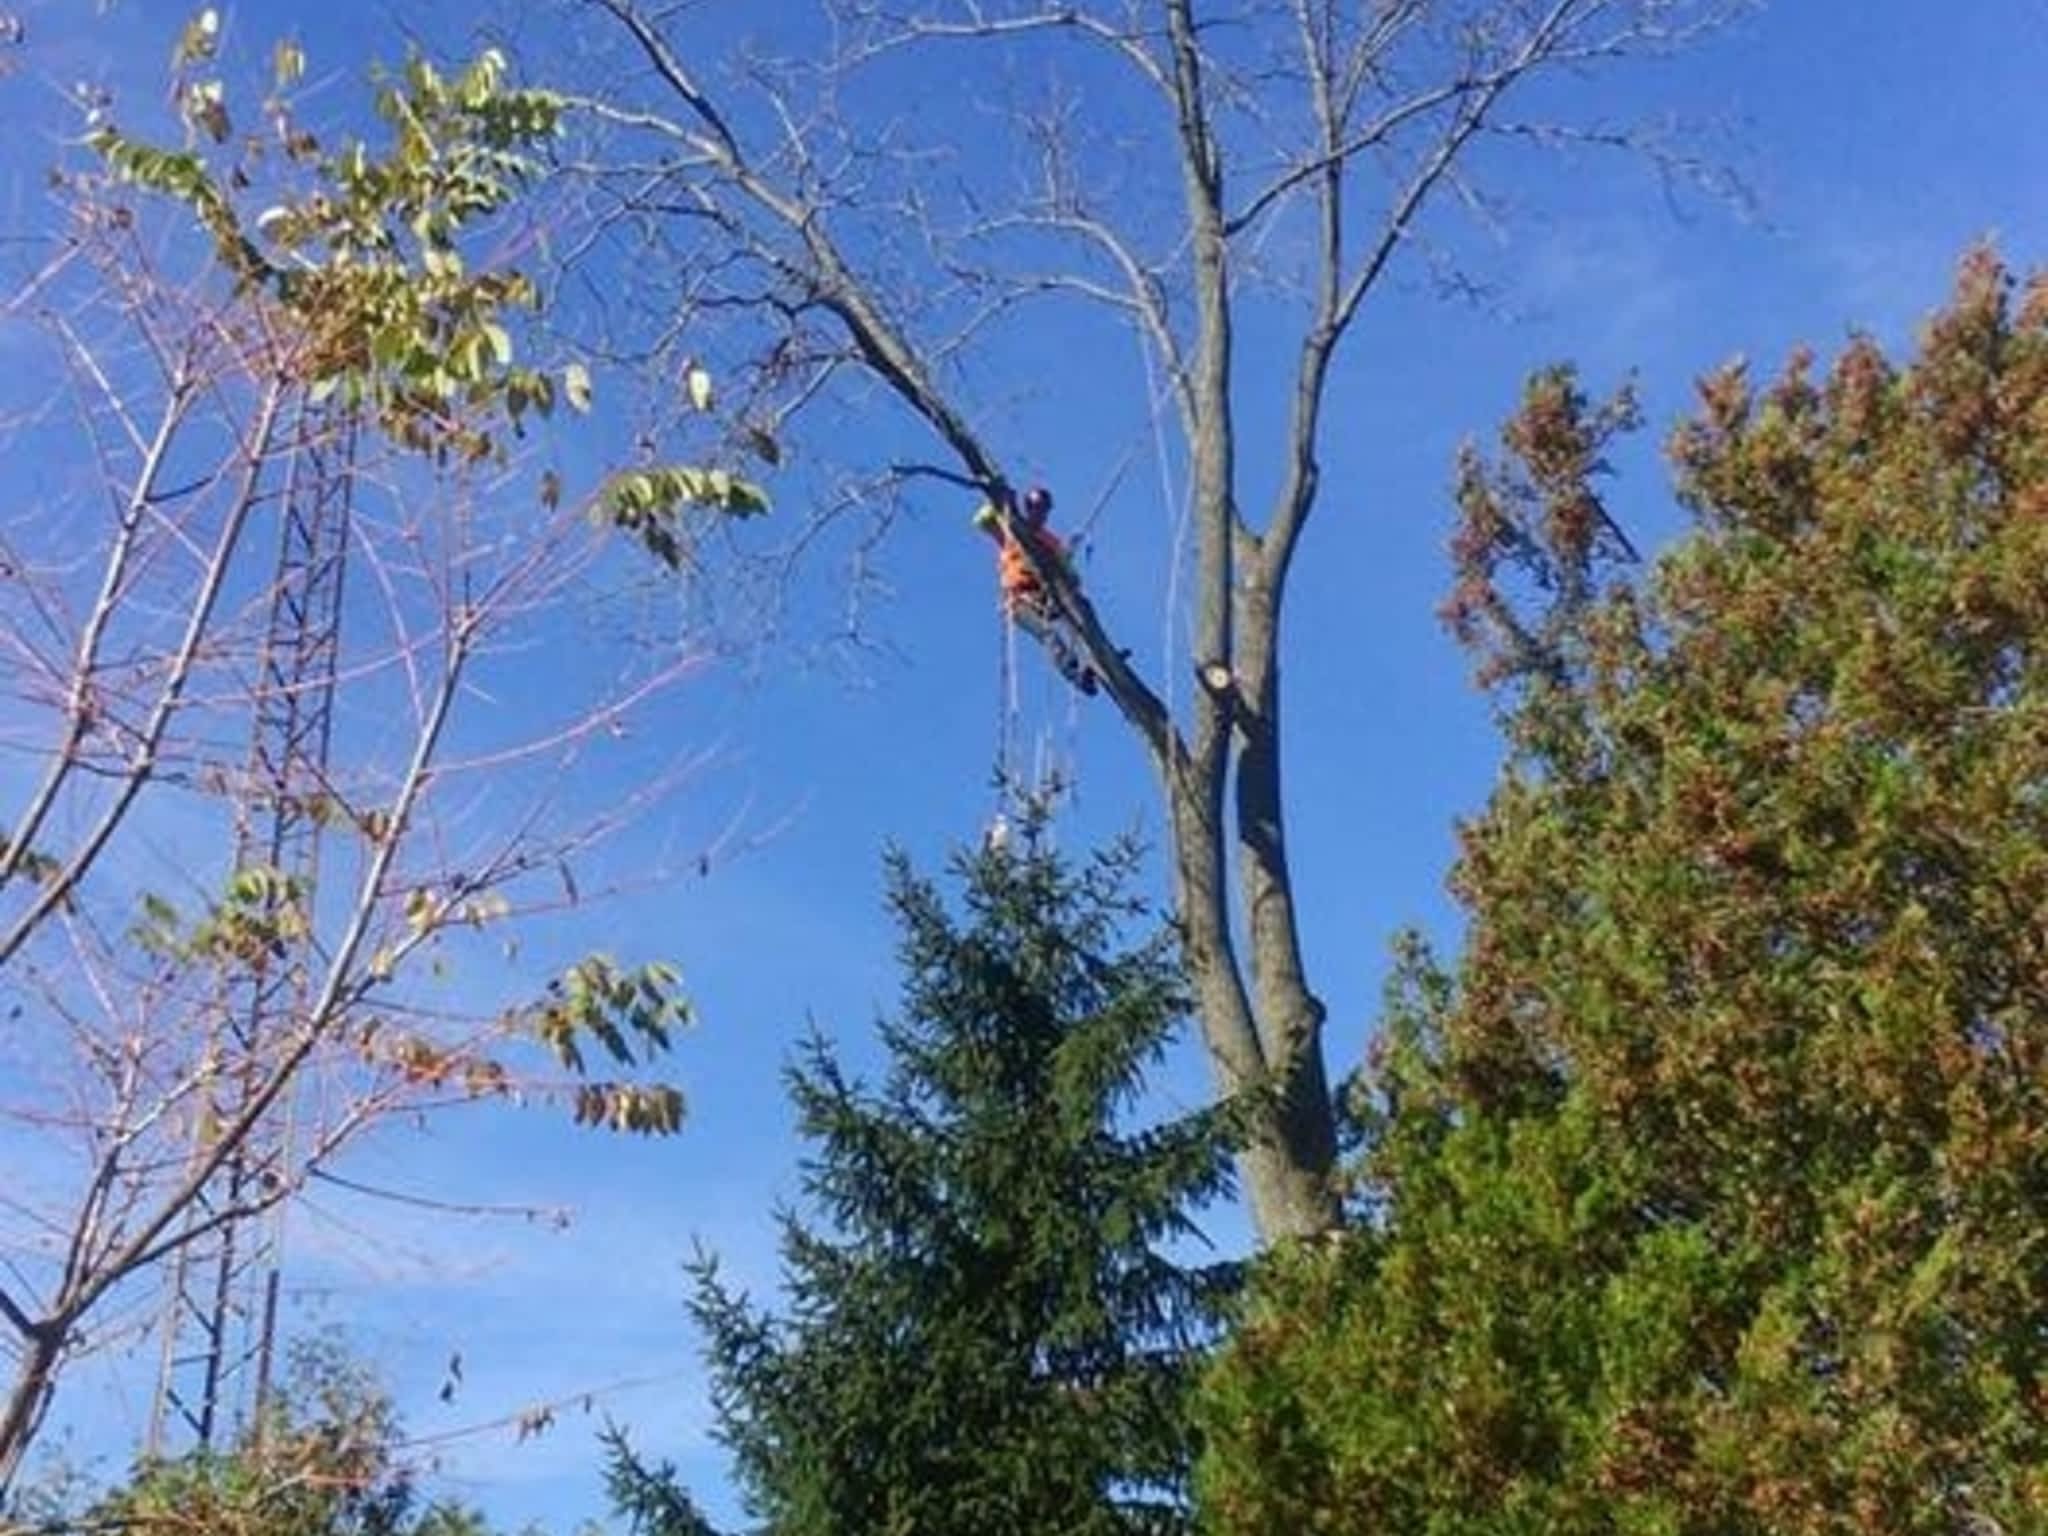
(199, 39)
(576, 386)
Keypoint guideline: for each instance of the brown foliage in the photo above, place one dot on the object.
(1716, 1189)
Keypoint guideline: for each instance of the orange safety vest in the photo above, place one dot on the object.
(1014, 571)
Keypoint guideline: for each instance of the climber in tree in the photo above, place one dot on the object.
(1025, 600)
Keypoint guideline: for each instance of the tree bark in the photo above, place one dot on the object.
(1302, 1200)
(35, 1380)
(1288, 1155)
(1292, 1148)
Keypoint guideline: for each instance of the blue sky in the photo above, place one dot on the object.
(1880, 137)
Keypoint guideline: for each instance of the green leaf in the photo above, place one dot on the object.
(990, 1242)
(745, 498)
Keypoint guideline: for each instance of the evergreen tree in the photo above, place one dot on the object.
(650, 1499)
(985, 1331)
(1710, 1194)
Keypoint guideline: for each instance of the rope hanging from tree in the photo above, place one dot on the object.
(1025, 545)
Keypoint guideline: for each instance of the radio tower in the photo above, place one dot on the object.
(219, 1324)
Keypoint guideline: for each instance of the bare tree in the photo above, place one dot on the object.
(197, 1025)
(1307, 142)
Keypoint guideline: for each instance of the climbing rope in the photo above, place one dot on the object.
(1007, 711)
(1177, 511)
(1055, 767)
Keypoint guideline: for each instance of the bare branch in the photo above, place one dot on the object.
(17, 1319)
(1339, 309)
(1143, 296)
(343, 982)
(1376, 133)
(85, 666)
(143, 760)
(831, 282)
(1126, 42)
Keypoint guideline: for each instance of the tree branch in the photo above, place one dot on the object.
(1298, 495)
(892, 358)
(1060, 18)
(143, 760)
(85, 664)
(1144, 298)
(1336, 155)
(341, 976)
(18, 1319)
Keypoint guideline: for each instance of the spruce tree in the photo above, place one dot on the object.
(985, 1331)
(648, 1498)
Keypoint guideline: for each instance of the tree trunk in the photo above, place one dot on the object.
(1271, 1055)
(1287, 1167)
(1288, 1160)
(1290, 1016)
(35, 1379)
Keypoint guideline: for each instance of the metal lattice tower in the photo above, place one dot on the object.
(220, 1319)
